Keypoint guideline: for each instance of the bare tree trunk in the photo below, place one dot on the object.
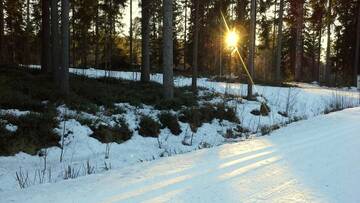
(131, 35)
(97, 35)
(45, 37)
(328, 46)
(319, 51)
(279, 42)
(252, 47)
(145, 42)
(2, 47)
(64, 75)
(111, 23)
(168, 50)
(55, 40)
(185, 33)
(357, 46)
(299, 39)
(195, 49)
(73, 45)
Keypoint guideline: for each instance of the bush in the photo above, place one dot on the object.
(265, 130)
(197, 116)
(264, 110)
(170, 121)
(35, 132)
(148, 127)
(107, 134)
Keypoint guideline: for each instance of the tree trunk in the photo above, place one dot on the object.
(357, 46)
(252, 48)
(299, 39)
(97, 37)
(55, 40)
(327, 65)
(279, 42)
(64, 75)
(168, 50)
(145, 42)
(319, 52)
(185, 33)
(2, 47)
(131, 35)
(45, 37)
(195, 49)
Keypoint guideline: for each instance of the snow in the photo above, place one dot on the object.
(308, 161)
(13, 112)
(81, 150)
(11, 127)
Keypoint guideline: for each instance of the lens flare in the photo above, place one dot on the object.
(232, 39)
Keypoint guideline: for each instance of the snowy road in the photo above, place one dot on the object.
(317, 160)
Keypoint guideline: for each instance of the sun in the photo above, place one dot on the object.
(232, 39)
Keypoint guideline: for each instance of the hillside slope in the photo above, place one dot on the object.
(310, 161)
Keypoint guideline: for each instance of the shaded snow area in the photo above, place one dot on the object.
(269, 164)
(315, 160)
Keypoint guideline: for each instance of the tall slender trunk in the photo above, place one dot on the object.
(27, 60)
(145, 42)
(97, 35)
(45, 37)
(131, 35)
(319, 51)
(64, 75)
(328, 46)
(274, 27)
(299, 39)
(73, 45)
(195, 49)
(252, 47)
(357, 46)
(279, 42)
(185, 33)
(2, 47)
(168, 49)
(55, 40)
(111, 23)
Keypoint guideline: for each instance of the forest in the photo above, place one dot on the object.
(294, 41)
(179, 101)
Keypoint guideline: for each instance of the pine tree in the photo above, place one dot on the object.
(55, 39)
(145, 43)
(2, 32)
(328, 46)
(299, 39)
(195, 48)
(64, 75)
(168, 50)
(279, 41)
(357, 46)
(45, 37)
(252, 47)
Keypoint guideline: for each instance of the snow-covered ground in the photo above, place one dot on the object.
(84, 154)
(306, 100)
(315, 160)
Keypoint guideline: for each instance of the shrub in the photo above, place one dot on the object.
(107, 134)
(35, 132)
(265, 130)
(170, 121)
(264, 110)
(148, 127)
(197, 116)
